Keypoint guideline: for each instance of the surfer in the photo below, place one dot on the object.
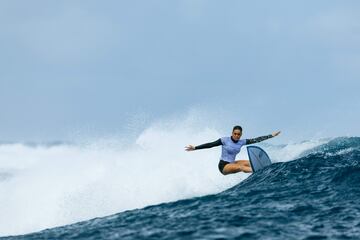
(230, 148)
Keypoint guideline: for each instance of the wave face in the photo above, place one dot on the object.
(315, 196)
(54, 184)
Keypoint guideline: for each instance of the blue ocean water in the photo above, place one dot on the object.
(316, 196)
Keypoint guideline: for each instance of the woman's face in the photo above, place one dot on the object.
(236, 134)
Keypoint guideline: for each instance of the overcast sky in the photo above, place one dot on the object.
(289, 65)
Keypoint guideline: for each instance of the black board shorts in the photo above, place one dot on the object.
(221, 165)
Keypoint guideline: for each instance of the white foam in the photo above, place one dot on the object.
(46, 187)
(54, 186)
(291, 151)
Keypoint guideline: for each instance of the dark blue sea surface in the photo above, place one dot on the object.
(316, 196)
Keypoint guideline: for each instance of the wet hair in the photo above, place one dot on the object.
(237, 127)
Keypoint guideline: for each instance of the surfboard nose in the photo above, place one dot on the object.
(258, 158)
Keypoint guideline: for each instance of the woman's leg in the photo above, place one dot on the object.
(245, 165)
(237, 166)
(244, 162)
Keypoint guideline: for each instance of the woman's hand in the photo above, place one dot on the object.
(189, 148)
(274, 134)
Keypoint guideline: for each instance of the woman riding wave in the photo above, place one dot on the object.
(230, 148)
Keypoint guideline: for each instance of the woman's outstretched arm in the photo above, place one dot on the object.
(262, 138)
(205, 145)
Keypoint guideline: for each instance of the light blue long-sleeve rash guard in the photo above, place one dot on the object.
(231, 148)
